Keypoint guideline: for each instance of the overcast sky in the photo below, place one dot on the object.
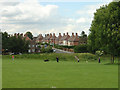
(20, 16)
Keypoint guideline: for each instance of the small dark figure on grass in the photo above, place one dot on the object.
(46, 60)
(57, 59)
(99, 60)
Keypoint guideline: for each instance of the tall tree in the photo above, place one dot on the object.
(29, 34)
(13, 43)
(83, 34)
(105, 30)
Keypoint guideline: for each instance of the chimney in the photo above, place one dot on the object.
(21, 34)
(76, 34)
(53, 34)
(73, 34)
(18, 34)
(47, 34)
(59, 34)
(15, 34)
(63, 34)
(67, 33)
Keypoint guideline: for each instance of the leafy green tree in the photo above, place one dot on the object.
(29, 34)
(105, 30)
(13, 43)
(83, 34)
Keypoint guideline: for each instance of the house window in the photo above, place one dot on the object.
(36, 45)
(29, 50)
(29, 45)
(33, 50)
(33, 45)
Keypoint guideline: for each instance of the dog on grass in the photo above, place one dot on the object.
(46, 60)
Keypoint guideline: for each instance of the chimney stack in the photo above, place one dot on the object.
(73, 34)
(18, 34)
(21, 34)
(76, 34)
(53, 34)
(15, 34)
(47, 34)
(59, 34)
(67, 33)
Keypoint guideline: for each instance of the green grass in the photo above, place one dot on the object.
(34, 73)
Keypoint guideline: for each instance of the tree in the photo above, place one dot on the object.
(83, 34)
(105, 30)
(13, 43)
(29, 34)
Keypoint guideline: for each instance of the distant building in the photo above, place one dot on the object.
(33, 47)
(73, 40)
(39, 38)
(64, 39)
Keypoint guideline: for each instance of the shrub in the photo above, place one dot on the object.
(80, 49)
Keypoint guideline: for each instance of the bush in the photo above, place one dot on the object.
(80, 49)
(49, 49)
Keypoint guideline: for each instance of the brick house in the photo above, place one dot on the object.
(33, 47)
(64, 39)
(39, 38)
(73, 40)
(47, 38)
(58, 39)
(52, 39)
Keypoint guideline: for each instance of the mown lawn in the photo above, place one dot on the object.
(34, 73)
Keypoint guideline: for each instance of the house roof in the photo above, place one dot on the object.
(73, 39)
(39, 37)
(65, 37)
(58, 38)
(53, 37)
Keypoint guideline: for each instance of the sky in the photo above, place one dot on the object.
(50, 16)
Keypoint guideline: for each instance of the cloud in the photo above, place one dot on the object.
(38, 18)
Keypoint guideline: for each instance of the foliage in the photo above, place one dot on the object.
(13, 43)
(52, 56)
(61, 47)
(105, 30)
(29, 34)
(80, 48)
(83, 34)
(99, 53)
(48, 49)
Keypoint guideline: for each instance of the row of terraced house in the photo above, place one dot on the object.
(52, 39)
(64, 39)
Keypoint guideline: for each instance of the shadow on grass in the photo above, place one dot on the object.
(112, 64)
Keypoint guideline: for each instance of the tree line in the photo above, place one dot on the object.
(105, 30)
(14, 44)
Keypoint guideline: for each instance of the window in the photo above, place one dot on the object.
(33, 45)
(36, 45)
(29, 45)
(33, 50)
(29, 50)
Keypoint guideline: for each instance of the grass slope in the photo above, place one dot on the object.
(34, 73)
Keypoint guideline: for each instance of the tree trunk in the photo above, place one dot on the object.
(111, 58)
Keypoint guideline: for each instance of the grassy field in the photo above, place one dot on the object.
(35, 73)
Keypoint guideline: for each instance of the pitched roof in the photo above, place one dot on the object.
(73, 39)
(65, 37)
(39, 37)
